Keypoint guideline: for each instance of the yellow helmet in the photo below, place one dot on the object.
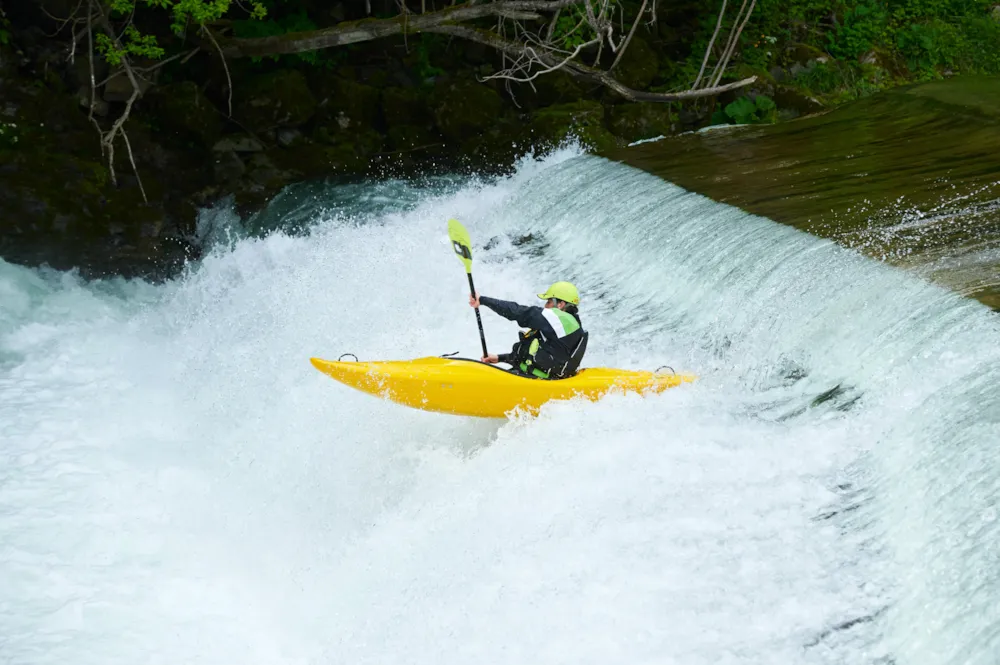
(562, 291)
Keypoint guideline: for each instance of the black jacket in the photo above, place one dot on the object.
(553, 350)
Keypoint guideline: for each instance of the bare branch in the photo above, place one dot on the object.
(352, 32)
(621, 50)
(128, 146)
(225, 65)
(522, 16)
(711, 42)
(552, 25)
(721, 69)
(533, 57)
(152, 68)
(516, 49)
(729, 43)
(90, 54)
(108, 138)
(72, 18)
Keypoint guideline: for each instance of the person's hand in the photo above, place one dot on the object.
(490, 359)
(474, 300)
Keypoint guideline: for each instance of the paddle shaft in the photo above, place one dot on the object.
(479, 319)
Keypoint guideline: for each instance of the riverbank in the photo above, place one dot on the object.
(393, 107)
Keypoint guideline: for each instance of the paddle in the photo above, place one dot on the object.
(462, 245)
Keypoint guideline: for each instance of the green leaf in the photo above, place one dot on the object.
(765, 103)
(741, 111)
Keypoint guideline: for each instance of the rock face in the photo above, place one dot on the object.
(182, 109)
(583, 120)
(59, 204)
(277, 99)
(634, 122)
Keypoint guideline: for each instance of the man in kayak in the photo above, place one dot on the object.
(555, 341)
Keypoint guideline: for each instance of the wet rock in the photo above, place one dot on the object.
(101, 107)
(277, 99)
(182, 110)
(412, 137)
(237, 143)
(554, 88)
(119, 88)
(803, 58)
(347, 105)
(639, 65)
(793, 99)
(406, 106)
(265, 172)
(634, 122)
(288, 137)
(464, 108)
(583, 120)
(228, 167)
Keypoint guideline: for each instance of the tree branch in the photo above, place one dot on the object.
(621, 50)
(711, 42)
(225, 65)
(352, 32)
(108, 138)
(732, 48)
(517, 49)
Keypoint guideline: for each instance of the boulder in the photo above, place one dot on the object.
(182, 110)
(464, 108)
(406, 107)
(348, 105)
(644, 120)
(794, 100)
(583, 120)
(277, 99)
(639, 65)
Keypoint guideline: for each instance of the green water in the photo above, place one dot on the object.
(910, 176)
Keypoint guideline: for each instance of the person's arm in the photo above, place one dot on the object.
(526, 316)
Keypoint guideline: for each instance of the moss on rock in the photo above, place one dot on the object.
(634, 122)
(405, 106)
(348, 105)
(463, 108)
(639, 65)
(181, 109)
(277, 99)
(583, 120)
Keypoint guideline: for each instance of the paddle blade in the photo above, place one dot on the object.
(461, 242)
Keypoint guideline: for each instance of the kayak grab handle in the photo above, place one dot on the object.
(449, 355)
(347, 354)
(672, 371)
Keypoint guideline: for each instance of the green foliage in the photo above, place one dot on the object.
(926, 46)
(132, 43)
(4, 29)
(425, 70)
(861, 28)
(296, 22)
(744, 111)
(183, 13)
(9, 134)
(188, 11)
(822, 78)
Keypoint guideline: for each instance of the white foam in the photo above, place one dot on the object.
(178, 484)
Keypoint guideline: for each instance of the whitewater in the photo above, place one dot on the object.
(179, 485)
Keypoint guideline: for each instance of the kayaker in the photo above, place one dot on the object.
(555, 341)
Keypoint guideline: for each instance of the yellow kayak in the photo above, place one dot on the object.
(471, 388)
